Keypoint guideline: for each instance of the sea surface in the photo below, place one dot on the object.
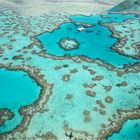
(17, 89)
(129, 131)
(96, 42)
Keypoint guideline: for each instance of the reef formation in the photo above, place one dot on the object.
(80, 97)
(68, 43)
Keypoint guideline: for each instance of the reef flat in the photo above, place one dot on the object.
(80, 97)
(128, 34)
(68, 43)
(39, 7)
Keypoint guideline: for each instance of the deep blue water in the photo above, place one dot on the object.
(129, 131)
(17, 89)
(95, 42)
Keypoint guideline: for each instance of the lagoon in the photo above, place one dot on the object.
(17, 90)
(95, 41)
(129, 131)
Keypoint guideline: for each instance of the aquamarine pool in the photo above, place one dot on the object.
(17, 89)
(129, 131)
(95, 42)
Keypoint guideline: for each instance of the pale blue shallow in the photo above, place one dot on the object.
(95, 42)
(17, 89)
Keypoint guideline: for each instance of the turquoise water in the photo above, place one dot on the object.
(17, 89)
(129, 131)
(95, 42)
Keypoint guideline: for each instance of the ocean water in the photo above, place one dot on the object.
(95, 42)
(17, 89)
(61, 110)
(129, 131)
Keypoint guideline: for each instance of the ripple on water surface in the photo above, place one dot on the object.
(17, 89)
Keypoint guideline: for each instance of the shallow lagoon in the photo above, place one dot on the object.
(17, 89)
(95, 41)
